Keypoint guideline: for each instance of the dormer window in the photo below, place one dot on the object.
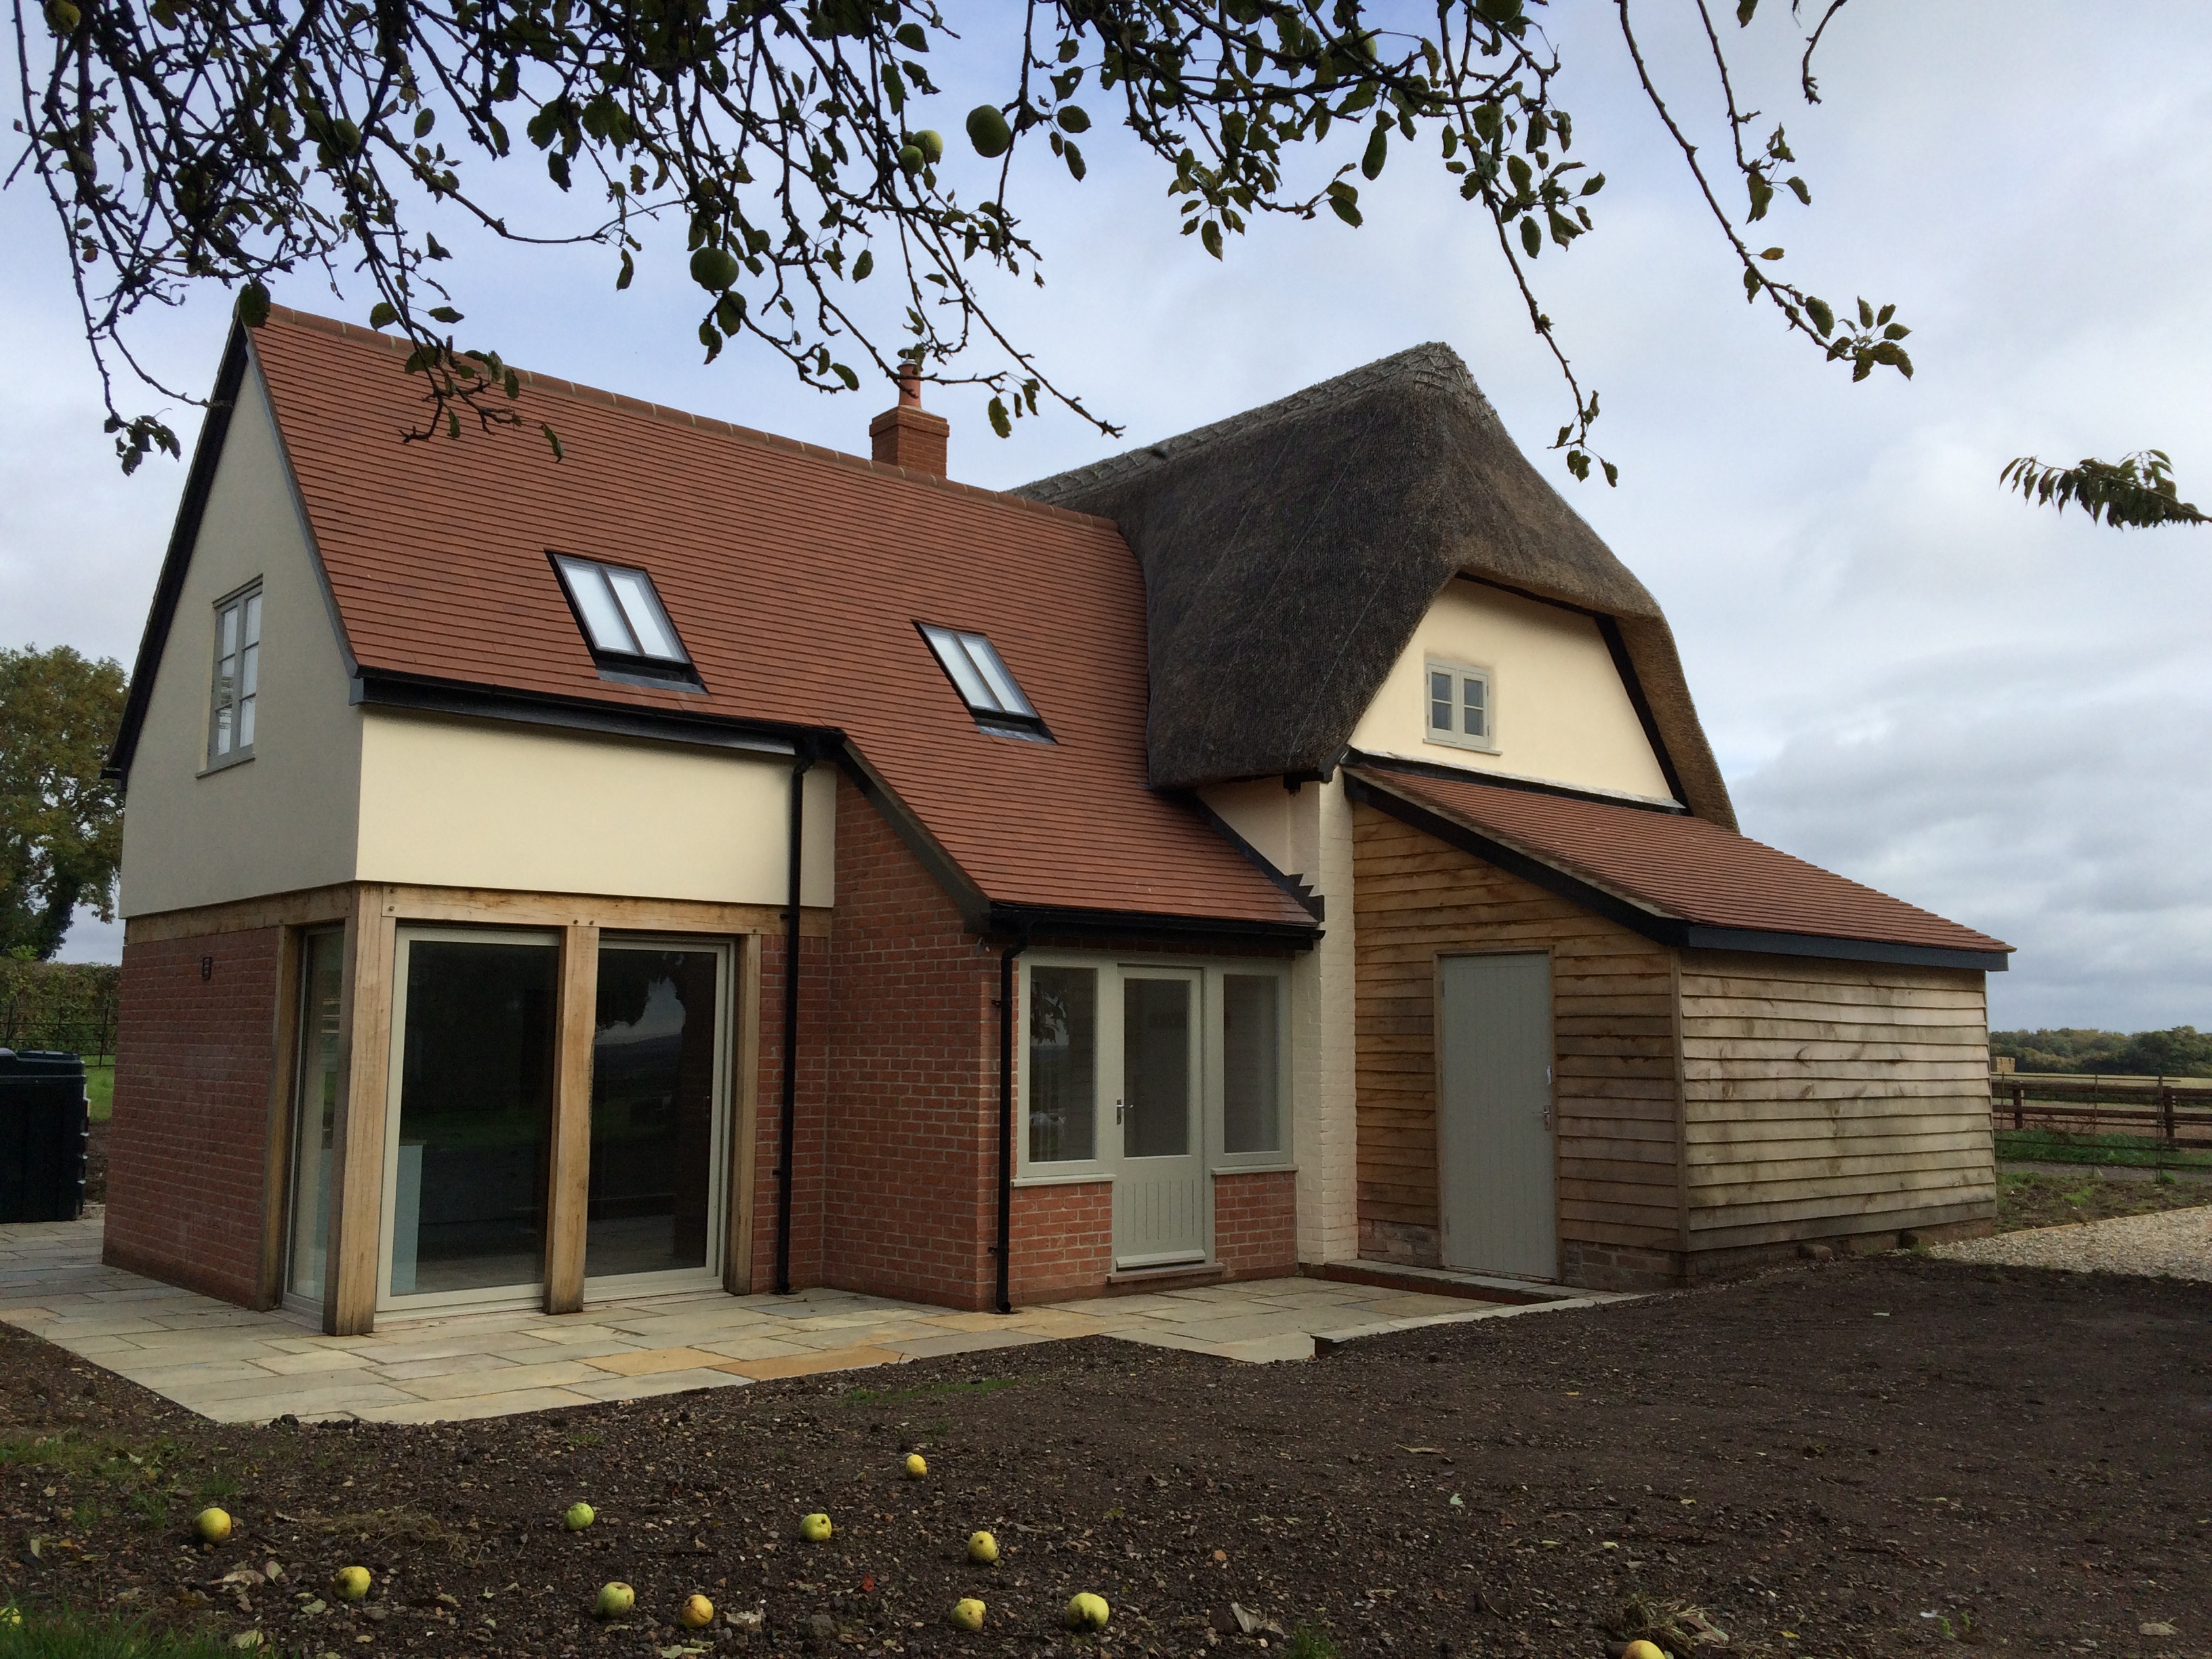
(984, 684)
(1462, 711)
(622, 620)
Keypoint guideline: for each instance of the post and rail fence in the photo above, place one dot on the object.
(2170, 1115)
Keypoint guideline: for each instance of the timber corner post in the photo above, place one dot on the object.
(357, 1207)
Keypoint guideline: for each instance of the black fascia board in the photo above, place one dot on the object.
(1031, 922)
(169, 585)
(424, 693)
(1672, 931)
(1421, 768)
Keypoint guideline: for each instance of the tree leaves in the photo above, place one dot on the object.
(2137, 492)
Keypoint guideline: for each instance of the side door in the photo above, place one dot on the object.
(1160, 1207)
(1497, 1187)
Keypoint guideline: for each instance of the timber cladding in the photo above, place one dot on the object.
(1615, 1091)
(1832, 1097)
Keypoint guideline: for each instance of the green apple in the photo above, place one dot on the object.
(968, 1613)
(579, 1515)
(697, 1614)
(982, 1548)
(212, 1524)
(1088, 1612)
(351, 1583)
(814, 1528)
(615, 1600)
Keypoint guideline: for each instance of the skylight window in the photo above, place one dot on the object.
(622, 616)
(983, 681)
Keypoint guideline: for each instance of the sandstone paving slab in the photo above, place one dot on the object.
(446, 1365)
(932, 1347)
(236, 1403)
(755, 1347)
(320, 1359)
(664, 1382)
(810, 1365)
(454, 1385)
(645, 1362)
(472, 1405)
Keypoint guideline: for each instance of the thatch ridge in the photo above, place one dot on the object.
(1289, 552)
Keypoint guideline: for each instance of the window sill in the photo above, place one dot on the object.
(1087, 1177)
(1273, 1166)
(225, 764)
(1435, 742)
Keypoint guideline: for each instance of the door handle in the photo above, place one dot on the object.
(1117, 1114)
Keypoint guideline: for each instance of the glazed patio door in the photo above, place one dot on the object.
(1160, 1176)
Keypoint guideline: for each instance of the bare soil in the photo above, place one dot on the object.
(1858, 1458)
(2031, 1198)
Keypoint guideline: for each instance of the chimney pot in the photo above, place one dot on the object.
(907, 434)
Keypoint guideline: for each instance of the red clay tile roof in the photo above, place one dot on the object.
(1681, 867)
(795, 576)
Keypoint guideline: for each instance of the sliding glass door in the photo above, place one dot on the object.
(469, 1119)
(657, 1091)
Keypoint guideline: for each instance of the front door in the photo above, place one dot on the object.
(1159, 1181)
(1495, 1181)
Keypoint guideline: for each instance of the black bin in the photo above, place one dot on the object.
(45, 1122)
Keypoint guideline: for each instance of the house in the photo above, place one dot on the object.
(709, 860)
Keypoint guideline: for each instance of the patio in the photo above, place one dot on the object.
(236, 1365)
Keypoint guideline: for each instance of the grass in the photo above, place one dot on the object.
(2058, 1146)
(100, 1089)
(69, 1636)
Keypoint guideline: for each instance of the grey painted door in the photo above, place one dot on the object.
(1496, 1195)
(1159, 1181)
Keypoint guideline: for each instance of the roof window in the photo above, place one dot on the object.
(622, 619)
(984, 682)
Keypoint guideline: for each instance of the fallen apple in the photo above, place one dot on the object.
(579, 1515)
(968, 1613)
(982, 1548)
(615, 1600)
(12, 1617)
(1087, 1611)
(351, 1583)
(697, 1614)
(212, 1524)
(917, 1466)
(814, 1528)
(1640, 1649)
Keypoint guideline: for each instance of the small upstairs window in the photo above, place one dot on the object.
(984, 684)
(237, 691)
(1461, 711)
(622, 620)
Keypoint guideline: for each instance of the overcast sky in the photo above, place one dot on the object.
(1997, 712)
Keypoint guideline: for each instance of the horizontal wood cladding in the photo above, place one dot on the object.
(1616, 1091)
(1830, 1097)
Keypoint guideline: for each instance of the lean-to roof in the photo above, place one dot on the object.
(795, 576)
(1289, 552)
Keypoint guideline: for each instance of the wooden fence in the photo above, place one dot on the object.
(2176, 1113)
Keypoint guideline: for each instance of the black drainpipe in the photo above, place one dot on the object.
(802, 758)
(1006, 1121)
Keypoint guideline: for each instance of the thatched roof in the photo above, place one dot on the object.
(1289, 552)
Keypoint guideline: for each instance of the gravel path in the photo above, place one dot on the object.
(2177, 1242)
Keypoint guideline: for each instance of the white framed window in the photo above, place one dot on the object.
(1461, 705)
(623, 618)
(984, 682)
(234, 700)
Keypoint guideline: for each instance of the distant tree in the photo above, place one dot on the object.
(2181, 1052)
(61, 825)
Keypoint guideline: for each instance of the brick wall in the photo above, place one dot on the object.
(188, 1143)
(1256, 1224)
(1063, 1241)
(809, 1143)
(912, 1152)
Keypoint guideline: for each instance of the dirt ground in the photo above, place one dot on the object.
(2033, 1198)
(1858, 1458)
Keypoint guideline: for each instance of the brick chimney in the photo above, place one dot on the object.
(907, 434)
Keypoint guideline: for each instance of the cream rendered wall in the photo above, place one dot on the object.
(1560, 712)
(449, 802)
(283, 819)
(1260, 810)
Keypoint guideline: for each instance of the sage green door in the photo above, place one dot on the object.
(1496, 1188)
(1159, 1182)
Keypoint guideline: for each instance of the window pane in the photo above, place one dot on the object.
(987, 662)
(1063, 1080)
(476, 1107)
(314, 1117)
(1251, 1064)
(603, 618)
(229, 627)
(249, 670)
(653, 1111)
(253, 619)
(954, 655)
(1440, 701)
(222, 711)
(245, 721)
(1477, 698)
(640, 607)
(1156, 1067)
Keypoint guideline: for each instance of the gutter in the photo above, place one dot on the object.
(802, 759)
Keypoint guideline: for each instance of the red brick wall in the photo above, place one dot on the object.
(189, 1143)
(1256, 1224)
(809, 1141)
(1063, 1241)
(912, 1150)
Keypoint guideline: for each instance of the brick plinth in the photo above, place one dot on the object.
(1256, 1224)
(188, 1143)
(1063, 1241)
